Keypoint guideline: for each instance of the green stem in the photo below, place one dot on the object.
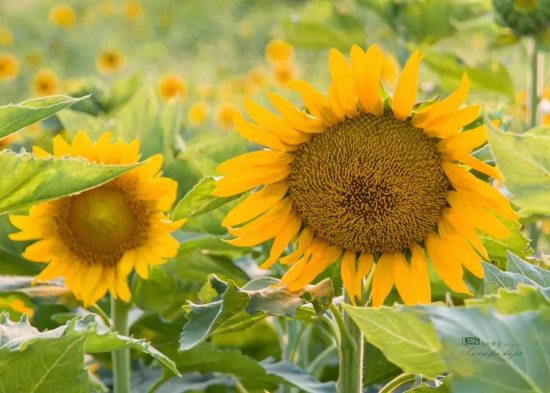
(534, 79)
(102, 314)
(396, 382)
(350, 354)
(158, 384)
(121, 357)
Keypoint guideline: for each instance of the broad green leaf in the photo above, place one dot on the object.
(316, 35)
(158, 291)
(121, 92)
(34, 180)
(376, 368)
(15, 117)
(496, 278)
(236, 307)
(523, 298)
(253, 375)
(525, 163)
(37, 362)
(74, 121)
(200, 200)
(498, 249)
(518, 272)
(406, 339)
(96, 339)
(490, 75)
(510, 354)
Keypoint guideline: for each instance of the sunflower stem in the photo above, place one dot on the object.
(350, 354)
(121, 357)
(534, 80)
(102, 314)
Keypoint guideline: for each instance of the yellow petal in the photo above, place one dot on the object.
(82, 145)
(304, 241)
(280, 127)
(448, 105)
(465, 141)
(256, 204)
(260, 135)
(446, 265)
(445, 126)
(403, 281)
(312, 270)
(40, 153)
(299, 120)
(349, 273)
(464, 228)
(40, 251)
(367, 71)
(478, 165)
(383, 279)
(282, 208)
(288, 232)
(127, 262)
(420, 278)
(364, 266)
(61, 147)
(315, 102)
(464, 254)
(89, 282)
(335, 105)
(256, 158)
(151, 167)
(241, 181)
(53, 270)
(122, 289)
(343, 83)
(406, 89)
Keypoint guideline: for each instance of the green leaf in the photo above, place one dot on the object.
(236, 306)
(34, 180)
(498, 249)
(405, 338)
(158, 291)
(37, 362)
(206, 358)
(519, 364)
(525, 163)
(121, 92)
(444, 387)
(317, 35)
(74, 121)
(523, 298)
(15, 117)
(490, 75)
(199, 200)
(518, 272)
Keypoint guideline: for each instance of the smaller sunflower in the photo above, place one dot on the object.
(284, 72)
(46, 83)
(279, 51)
(94, 239)
(133, 10)
(226, 114)
(63, 16)
(9, 67)
(172, 86)
(6, 37)
(111, 62)
(198, 113)
(258, 76)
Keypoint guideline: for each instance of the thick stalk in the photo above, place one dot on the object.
(121, 358)
(350, 379)
(534, 88)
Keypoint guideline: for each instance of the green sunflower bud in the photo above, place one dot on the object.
(524, 17)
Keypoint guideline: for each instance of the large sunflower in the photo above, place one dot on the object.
(368, 180)
(94, 239)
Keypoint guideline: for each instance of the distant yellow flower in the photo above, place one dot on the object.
(16, 305)
(284, 72)
(133, 10)
(226, 90)
(390, 69)
(204, 90)
(96, 238)
(46, 83)
(9, 66)
(6, 37)
(111, 62)
(33, 58)
(546, 120)
(244, 85)
(63, 16)
(258, 76)
(107, 8)
(8, 140)
(74, 85)
(367, 181)
(171, 86)
(225, 115)
(198, 112)
(278, 50)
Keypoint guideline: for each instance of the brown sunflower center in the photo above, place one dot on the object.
(370, 184)
(101, 224)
